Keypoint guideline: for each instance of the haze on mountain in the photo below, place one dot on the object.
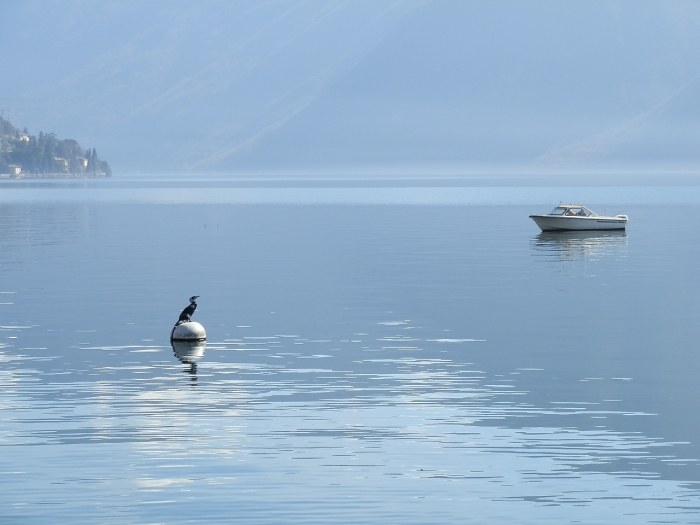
(441, 86)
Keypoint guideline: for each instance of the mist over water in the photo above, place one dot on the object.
(371, 355)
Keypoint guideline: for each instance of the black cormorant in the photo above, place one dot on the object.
(187, 312)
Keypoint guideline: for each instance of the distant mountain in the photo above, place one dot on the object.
(668, 131)
(179, 85)
(248, 85)
(488, 86)
(22, 154)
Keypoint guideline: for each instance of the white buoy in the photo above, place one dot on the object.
(189, 331)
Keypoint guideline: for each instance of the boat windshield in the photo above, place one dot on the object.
(572, 211)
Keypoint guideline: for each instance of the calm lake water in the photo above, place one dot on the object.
(378, 352)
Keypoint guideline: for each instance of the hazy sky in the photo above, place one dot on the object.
(292, 84)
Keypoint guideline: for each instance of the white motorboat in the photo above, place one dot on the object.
(577, 217)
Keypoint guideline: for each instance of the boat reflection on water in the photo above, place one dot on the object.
(581, 244)
(189, 352)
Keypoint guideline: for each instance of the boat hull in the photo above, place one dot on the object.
(551, 223)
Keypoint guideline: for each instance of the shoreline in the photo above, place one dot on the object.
(53, 176)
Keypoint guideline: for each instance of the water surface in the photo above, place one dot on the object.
(400, 352)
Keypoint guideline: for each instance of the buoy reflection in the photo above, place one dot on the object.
(189, 352)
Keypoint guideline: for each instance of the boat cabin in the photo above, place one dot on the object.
(572, 210)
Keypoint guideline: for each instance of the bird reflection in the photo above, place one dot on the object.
(189, 352)
(580, 244)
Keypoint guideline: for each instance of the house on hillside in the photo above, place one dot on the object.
(61, 163)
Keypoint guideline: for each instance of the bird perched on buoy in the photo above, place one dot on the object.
(188, 311)
(185, 329)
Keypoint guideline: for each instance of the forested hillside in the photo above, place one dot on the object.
(22, 154)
